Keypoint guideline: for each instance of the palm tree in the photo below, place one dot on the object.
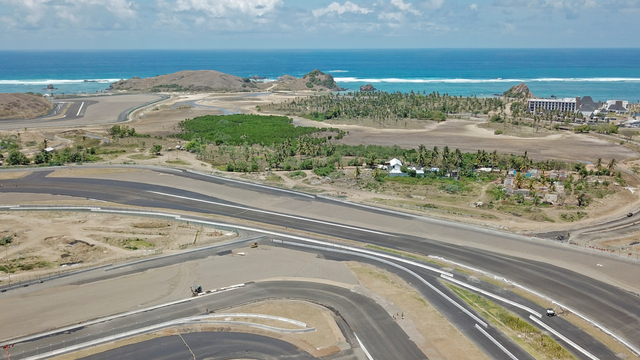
(611, 166)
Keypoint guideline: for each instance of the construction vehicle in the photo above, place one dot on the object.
(196, 290)
(254, 245)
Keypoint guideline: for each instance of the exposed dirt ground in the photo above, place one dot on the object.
(45, 241)
(58, 306)
(327, 336)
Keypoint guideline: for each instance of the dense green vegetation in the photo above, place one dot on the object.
(384, 106)
(243, 129)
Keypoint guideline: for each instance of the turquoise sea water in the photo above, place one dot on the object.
(601, 73)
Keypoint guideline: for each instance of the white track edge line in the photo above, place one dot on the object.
(513, 357)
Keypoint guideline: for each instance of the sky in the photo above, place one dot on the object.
(318, 24)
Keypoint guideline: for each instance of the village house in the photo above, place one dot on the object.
(394, 167)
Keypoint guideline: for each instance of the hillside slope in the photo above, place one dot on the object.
(23, 106)
(197, 81)
(315, 80)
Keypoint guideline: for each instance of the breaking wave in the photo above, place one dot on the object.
(480, 81)
(56, 82)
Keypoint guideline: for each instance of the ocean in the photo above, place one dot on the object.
(603, 74)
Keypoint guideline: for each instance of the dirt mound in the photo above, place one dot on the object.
(315, 80)
(519, 91)
(23, 106)
(192, 81)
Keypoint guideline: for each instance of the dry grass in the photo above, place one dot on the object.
(530, 338)
(598, 334)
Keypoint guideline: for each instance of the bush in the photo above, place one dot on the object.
(451, 188)
(17, 158)
(309, 85)
(496, 119)
(6, 240)
(297, 174)
(306, 165)
(325, 170)
(497, 132)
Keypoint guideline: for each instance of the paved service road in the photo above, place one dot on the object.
(207, 345)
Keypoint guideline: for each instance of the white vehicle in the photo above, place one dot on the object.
(550, 312)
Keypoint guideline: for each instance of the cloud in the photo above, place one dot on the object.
(70, 13)
(224, 8)
(348, 7)
(434, 4)
(408, 7)
(474, 7)
(120, 8)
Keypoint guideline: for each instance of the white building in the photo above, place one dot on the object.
(618, 106)
(563, 105)
(394, 167)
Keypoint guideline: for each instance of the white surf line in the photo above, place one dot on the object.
(81, 105)
(364, 349)
(252, 184)
(117, 316)
(509, 354)
(470, 314)
(563, 338)
(499, 298)
(273, 213)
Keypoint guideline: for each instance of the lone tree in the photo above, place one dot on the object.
(156, 149)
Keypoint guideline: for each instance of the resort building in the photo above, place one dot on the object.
(563, 105)
(617, 106)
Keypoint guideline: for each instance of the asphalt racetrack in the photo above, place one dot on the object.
(95, 110)
(207, 345)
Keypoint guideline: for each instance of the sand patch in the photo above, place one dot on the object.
(10, 175)
(327, 333)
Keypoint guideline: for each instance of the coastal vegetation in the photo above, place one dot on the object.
(385, 107)
(242, 129)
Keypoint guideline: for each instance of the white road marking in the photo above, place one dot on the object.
(81, 105)
(363, 348)
(273, 213)
(252, 184)
(471, 315)
(563, 338)
(499, 298)
(496, 342)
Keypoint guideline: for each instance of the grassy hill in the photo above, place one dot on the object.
(23, 106)
(192, 81)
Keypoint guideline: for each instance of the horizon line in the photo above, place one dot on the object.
(325, 49)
